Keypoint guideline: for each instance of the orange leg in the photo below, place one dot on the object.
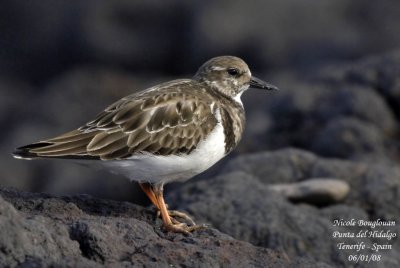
(155, 194)
(168, 225)
(148, 190)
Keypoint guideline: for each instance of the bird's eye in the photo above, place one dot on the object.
(233, 71)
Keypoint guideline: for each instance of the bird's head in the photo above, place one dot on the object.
(229, 75)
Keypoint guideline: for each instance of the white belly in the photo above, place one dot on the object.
(156, 169)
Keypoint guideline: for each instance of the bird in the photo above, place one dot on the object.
(166, 133)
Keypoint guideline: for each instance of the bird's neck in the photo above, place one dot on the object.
(232, 116)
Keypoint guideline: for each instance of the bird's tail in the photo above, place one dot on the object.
(71, 145)
(24, 152)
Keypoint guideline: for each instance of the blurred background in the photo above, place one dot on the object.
(62, 62)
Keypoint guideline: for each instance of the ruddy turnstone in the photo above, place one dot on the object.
(169, 132)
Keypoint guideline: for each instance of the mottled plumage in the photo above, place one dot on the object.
(167, 119)
(168, 132)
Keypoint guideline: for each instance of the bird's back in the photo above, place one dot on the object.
(169, 119)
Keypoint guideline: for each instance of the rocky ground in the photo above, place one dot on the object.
(243, 202)
(40, 230)
(256, 224)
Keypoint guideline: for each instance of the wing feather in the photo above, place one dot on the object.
(137, 122)
(104, 139)
(116, 145)
(169, 120)
(137, 137)
(61, 148)
(131, 110)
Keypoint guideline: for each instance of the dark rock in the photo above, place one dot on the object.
(40, 38)
(44, 38)
(12, 93)
(299, 113)
(297, 165)
(309, 115)
(246, 209)
(127, 32)
(71, 91)
(241, 204)
(244, 206)
(294, 165)
(360, 102)
(379, 72)
(83, 231)
(270, 38)
(349, 138)
(26, 240)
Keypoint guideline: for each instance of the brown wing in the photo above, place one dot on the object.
(157, 122)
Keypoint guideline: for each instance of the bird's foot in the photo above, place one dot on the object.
(178, 214)
(183, 228)
(182, 215)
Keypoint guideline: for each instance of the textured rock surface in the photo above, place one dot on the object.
(351, 137)
(241, 202)
(355, 117)
(40, 230)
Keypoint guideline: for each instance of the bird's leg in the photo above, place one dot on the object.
(148, 189)
(168, 224)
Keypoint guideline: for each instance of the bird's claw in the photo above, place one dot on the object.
(183, 228)
(175, 213)
(178, 214)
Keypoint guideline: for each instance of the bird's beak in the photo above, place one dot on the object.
(258, 83)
